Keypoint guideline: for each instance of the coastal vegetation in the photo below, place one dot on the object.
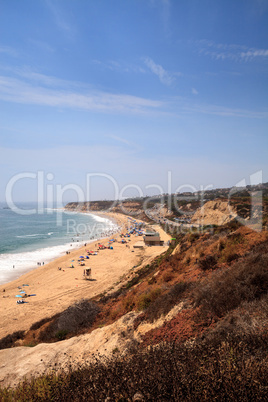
(204, 303)
(233, 370)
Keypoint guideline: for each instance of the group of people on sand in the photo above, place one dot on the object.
(129, 229)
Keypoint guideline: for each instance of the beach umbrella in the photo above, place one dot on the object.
(81, 256)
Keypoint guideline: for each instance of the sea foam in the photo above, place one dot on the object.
(14, 264)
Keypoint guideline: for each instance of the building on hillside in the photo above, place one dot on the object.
(152, 239)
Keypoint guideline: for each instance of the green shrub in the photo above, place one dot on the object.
(146, 299)
(208, 262)
(75, 318)
(40, 323)
(165, 302)
(193, 237)
(245, 280)
(9, 340)
(60, 335)
(231, 257)
(168, 276)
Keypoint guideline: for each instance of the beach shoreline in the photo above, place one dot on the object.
(22, 262)
(56, 289)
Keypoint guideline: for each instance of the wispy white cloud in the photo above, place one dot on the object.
(220, 51)
(119, 139)
(224, 111)
(43, 46)
(164, 9)
(46, 80)
(8, 50)
(119, 66)
(38, 89)
(131, 147)
(252, 53)
(19, 91)
(164, 77)
(166, 15)
(59, 17)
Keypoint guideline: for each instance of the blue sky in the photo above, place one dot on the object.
(132, 89)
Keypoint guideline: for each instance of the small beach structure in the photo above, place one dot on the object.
(152, 238)
(139, 244)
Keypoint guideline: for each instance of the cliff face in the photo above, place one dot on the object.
(89, 206)
(132, 208)
(73, 352)
(214, 213)
(70, 352)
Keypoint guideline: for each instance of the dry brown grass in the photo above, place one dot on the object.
(235, 370)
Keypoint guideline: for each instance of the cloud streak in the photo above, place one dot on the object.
(224, 111)
(164, 77)
(119, 66)
(8, 50)
(252, 53)
(59, 18)
(164, 9)
(19, 91)
(38, 89)
(220, 51)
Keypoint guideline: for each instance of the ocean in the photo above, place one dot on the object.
(29, 238)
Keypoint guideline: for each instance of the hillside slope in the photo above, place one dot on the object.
(210, 293)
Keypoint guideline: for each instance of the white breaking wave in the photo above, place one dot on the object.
(32, 235)
(28, 260)
(13, 265)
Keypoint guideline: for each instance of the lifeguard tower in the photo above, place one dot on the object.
(87, 273)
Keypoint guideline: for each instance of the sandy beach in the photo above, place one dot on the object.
(56, 289)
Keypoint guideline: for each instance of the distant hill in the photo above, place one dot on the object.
(182, 206)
